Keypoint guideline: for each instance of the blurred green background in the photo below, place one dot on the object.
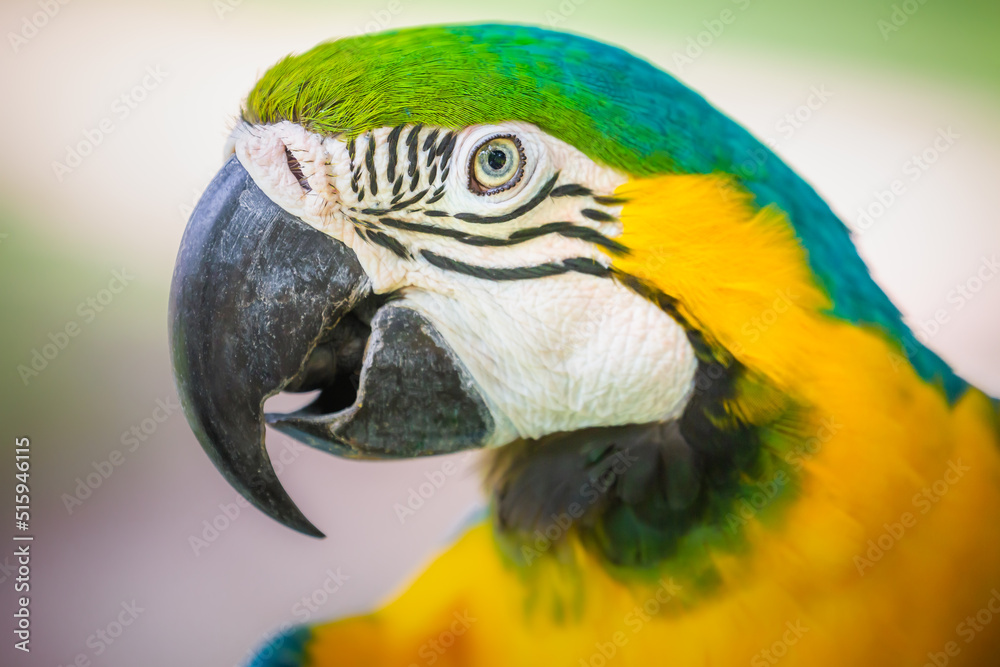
(153, 88)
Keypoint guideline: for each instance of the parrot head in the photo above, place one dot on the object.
(452, 234)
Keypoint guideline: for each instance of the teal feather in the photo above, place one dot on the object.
(286, 650)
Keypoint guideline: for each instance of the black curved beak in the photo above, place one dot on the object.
(262, 303)
(253, 290)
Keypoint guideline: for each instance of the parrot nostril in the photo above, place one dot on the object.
(296, 169)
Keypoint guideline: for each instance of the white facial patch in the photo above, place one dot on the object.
(515, 280)
(564, 352)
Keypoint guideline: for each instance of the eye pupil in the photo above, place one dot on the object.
(497, 159)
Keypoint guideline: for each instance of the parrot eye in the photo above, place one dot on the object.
(497, 164)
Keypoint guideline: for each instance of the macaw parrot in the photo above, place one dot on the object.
(710, 438)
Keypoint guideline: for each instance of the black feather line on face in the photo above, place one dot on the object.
(598, 216)
(356, 179)
(571, 190)
(576, 190)
(414, 134)
(411, 160)
(437, 195)
(409, 202)
(390, 170)
(370, 164)
(569, 230)
(539, 197)
(575, 264)
(444, 143)
(429, 141)
(351, 148)
(449, 149)
(390, 242)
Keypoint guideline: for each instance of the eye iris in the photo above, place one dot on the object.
(496, 165)
(493, 162)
